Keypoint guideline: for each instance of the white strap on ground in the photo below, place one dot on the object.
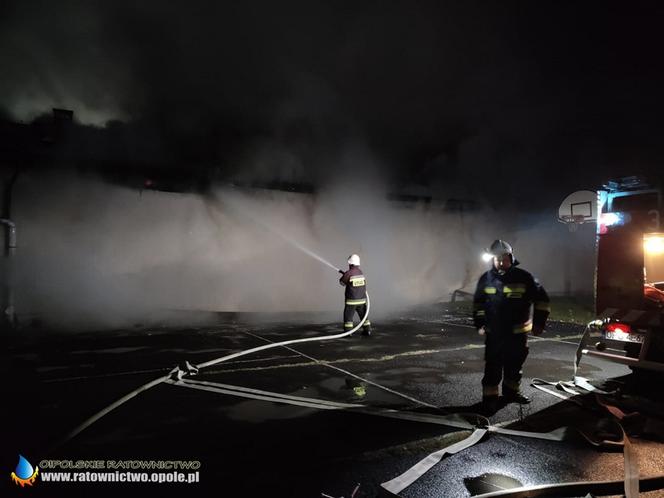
(631, 470)
(630, 458)
(584, 383)
(540, 384)
(411, 475)
(401, 482)
(554, 435)
(447, 420)
(258, 394)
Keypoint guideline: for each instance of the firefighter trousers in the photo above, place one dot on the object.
(349, 313)
(504, 356)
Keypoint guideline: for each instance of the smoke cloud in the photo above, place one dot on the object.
(90, 253)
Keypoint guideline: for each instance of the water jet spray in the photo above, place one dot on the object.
(256, 219)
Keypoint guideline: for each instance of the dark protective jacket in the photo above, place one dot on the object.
(503, 303)
(356, 286)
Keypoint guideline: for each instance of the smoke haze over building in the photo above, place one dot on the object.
(504, 107)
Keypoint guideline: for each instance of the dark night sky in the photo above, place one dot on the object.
(454, 95)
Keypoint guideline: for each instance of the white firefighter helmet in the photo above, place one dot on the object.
(499, 248)
(354, 260)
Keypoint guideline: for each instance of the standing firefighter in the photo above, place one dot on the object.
(356, 294)
(502, 306)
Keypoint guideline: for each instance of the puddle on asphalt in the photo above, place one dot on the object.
(489, 483)
(410, 376)
(352, 390)
(339, 389)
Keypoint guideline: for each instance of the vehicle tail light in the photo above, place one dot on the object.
(618, 331)
(618, 327)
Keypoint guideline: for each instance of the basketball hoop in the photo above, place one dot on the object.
(572, 221)
(578, 208)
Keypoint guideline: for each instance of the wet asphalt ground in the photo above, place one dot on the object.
(427, 361)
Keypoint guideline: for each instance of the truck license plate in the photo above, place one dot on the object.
(625, 337)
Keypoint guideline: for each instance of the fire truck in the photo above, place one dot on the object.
(629, 274)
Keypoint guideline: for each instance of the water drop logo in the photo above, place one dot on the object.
(24, 473)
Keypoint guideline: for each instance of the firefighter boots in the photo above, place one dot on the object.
(489, 405)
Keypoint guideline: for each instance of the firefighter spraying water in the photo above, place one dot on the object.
(355, 295)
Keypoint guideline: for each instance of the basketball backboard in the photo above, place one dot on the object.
(578, 207)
